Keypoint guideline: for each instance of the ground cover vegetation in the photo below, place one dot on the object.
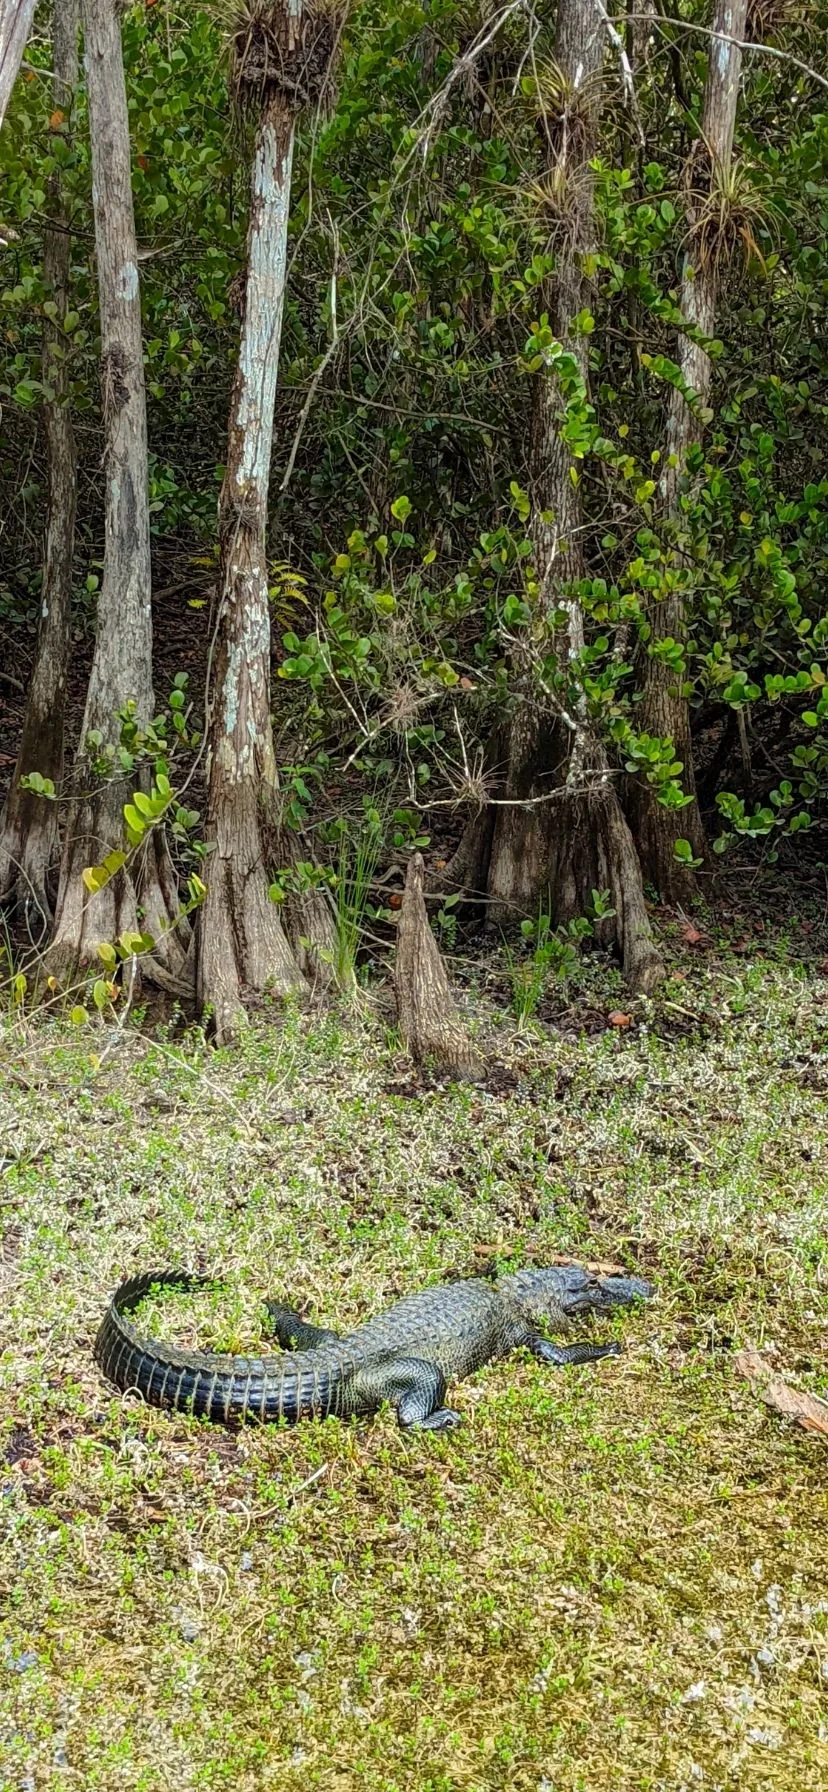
(612, 1575)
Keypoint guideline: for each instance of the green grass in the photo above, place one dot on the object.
(611, 1580)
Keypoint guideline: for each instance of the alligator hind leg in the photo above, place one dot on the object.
(416, 1390)
(560, 1355)
(292, 1332)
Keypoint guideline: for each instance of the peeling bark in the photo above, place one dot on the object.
(242, 943)
(122, 661)
(665, 710)
(429, 1022)
(29, 836)
(559, 832)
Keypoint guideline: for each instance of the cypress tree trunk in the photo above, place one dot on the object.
(665, 709)
(15, 24)
(29, 843)
(282, 57)
(122, 662)
(561, 832)
(242, 942)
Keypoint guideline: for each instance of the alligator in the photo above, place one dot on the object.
(406, 1356)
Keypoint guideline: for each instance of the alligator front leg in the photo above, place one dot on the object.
(414, 1388)
(292, 1332)
(561, 1355)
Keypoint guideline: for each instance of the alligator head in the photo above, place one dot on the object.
(551, 1294)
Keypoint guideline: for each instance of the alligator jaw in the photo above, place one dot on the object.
(568, 1289)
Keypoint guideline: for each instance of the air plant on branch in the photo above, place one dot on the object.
(564, 117)
(729, 215)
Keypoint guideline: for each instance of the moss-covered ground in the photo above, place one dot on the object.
(613, 1579)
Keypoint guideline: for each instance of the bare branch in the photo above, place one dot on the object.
(738, 43)
(433, 112)
(626, 69)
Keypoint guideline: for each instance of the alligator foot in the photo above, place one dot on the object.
(560, 1355)
(444, 1419)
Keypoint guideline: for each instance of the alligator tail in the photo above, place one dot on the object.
(308, 1384)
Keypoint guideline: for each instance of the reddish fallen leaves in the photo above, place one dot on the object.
(691, 935)
(807, 1409)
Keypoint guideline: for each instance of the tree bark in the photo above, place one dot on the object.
(665, 710)
(560, 832)
(15, 24)
(242, 944)
(429, 1022)
(29, 832)
(122, 662)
